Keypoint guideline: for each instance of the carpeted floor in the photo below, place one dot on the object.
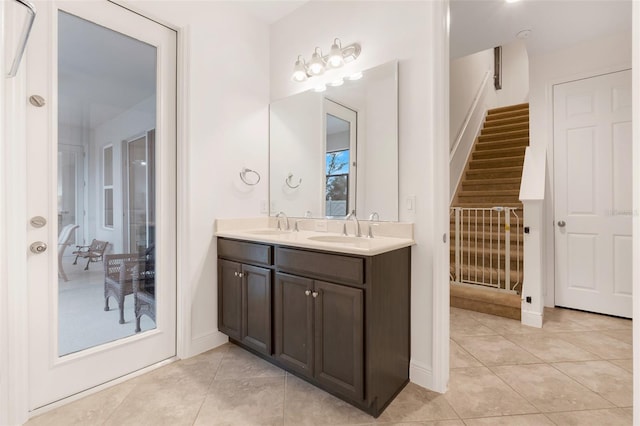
(83, 322)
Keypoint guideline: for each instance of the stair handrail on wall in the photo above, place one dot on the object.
(467, 133)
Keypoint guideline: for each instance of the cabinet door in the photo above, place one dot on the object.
(230, 299)
(294, 323)
(339, 357)
(256, 308)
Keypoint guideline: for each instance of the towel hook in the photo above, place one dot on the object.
(288, 181)
(243, 176)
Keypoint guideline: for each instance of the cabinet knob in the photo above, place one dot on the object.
(235, 273)
(314, 294)
(307, 292)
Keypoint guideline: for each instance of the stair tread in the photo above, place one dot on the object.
(515, 134)
(515, 107)
(471, 193)
(503, 128)
(524, 118)
(500, 144)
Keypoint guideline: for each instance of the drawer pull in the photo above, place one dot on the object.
(314, 294)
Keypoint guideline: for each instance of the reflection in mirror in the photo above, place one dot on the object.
(341, 145)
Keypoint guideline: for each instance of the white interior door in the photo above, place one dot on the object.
(592, 173)
(106, 75)
(339, 158)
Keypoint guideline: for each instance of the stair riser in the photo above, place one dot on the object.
(490, 186)
(491, 130)
(507, 115)
(485, 154)
(505, 121)
(512, 143)
(496, 162)
(509, 108)
(503, 136)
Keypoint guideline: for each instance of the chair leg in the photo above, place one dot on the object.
(86, 268)
(138, 329)
(75, 261)
(121, 306)
(106, 303)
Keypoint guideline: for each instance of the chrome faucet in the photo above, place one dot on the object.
(352, 215)
(374, 216)
(286, 219)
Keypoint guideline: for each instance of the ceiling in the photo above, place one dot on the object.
(478, 25)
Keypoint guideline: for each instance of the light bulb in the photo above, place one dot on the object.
(316, 65)
(319, 89)
(299, 71)
(335, 59)
(336, 83)
(355, 76)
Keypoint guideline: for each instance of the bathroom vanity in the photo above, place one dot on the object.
(331, 309)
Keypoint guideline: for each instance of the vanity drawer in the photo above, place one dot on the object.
(258, 254)
(331, 267)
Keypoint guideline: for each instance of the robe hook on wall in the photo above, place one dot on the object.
(288, 181)
(243, 176)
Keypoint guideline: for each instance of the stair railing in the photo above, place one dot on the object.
(483, 249)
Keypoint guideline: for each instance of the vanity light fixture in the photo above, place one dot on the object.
(355, 76)
(337, 57)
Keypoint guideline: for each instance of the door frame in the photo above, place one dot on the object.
(14, 317)
(549, 262)
(550, 296)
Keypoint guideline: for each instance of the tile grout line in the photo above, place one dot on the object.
(195, 419)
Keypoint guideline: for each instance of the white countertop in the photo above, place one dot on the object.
(260, 231)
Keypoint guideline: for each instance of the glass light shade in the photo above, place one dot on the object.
(319, 89)
(316, 65)
(335, 59)
(355, 76)
(336, 83)
(299, 71)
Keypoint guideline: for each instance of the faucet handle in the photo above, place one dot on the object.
(296, 228)
(344, 229)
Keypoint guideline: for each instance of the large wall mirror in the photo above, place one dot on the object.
(336, 151)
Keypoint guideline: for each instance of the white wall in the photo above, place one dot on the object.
(387, 31)
(515, 74)
(225, 101)
(466, 75)
(608, 54)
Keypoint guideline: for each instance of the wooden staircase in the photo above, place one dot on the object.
(492, 178)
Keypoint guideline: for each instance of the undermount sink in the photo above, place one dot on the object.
(339, 239)
(267, 232)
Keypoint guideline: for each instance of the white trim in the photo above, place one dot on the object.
(635, 96)
(101, 387)
(14, 166)
(531, 318)
(440, 140)
(206, 342)
(421, 375)
(183, 292)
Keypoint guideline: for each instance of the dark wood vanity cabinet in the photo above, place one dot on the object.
(244, 303)
(339, 321)
(319, 332)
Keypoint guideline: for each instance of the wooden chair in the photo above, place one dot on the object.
(93, 252)
(120, 273)
(144, 288)
(64, 241)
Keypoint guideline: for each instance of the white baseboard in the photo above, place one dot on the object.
(421, 375)
(532, 319)
(206, 342)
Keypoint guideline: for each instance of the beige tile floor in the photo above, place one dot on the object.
(574, 371)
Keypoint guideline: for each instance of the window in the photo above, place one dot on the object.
(107, 185)
(337, 183)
